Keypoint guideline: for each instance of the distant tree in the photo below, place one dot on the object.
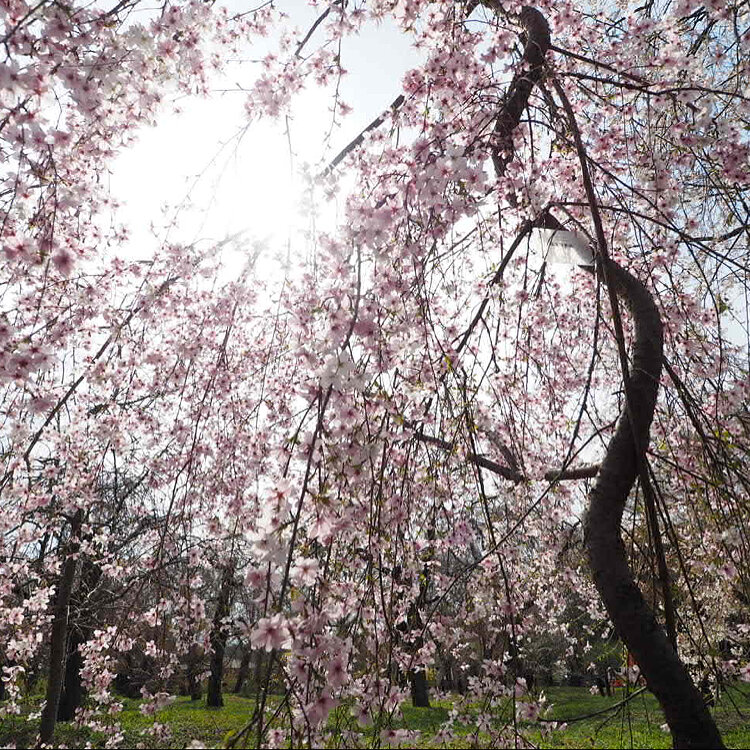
(219, 634)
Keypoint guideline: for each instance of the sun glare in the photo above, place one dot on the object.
(210, 172)
(204, 175)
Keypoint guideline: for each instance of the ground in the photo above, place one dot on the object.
(636, 724)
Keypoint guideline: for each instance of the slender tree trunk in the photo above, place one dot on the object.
(195, 690)
(71, 696)
(58, 635)
(80, 628)
(417, 677)
(218, 639)
(243, 671)
(193, 685)
(420, 696)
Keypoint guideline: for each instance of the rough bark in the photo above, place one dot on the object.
(537, 35)
(59, 633)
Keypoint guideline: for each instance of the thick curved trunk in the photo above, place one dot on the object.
(691, 723)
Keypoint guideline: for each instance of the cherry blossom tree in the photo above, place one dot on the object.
(408, 433)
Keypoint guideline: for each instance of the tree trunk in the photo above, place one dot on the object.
(59, 633)
(243, 671)
(80, 627)
(444, 678)
(417, 677)
(689, 720)
(193, 685)
(218, 639)
(420, 696)
(71, 696)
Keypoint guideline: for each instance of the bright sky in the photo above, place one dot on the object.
(250, 183)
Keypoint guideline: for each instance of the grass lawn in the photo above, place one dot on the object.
(635, 724)
(188, 720)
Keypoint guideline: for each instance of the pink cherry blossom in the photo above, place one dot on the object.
(270, 633)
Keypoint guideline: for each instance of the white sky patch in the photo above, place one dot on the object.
(208, 172)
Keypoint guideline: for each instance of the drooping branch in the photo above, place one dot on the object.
(359, 140)
(507, 472)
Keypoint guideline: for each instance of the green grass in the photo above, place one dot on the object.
(187, 720)
(635, 724)
(193, 720)
(426, 720)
